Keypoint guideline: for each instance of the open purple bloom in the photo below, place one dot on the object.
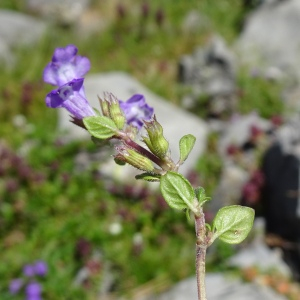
(15, 285)
(33, 291)
(65, 66)
(28, 270)
(40, 268)
(136, 110)
(71, 97)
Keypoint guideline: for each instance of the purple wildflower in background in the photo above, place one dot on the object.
(33, 291)
(28, 283)
(136, 110)
(15, 285)
(28, 270)
(40, 268)
(70, 97)
(65, 66)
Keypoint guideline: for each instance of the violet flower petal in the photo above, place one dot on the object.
(40, 268)
(15, 285)
(28, 270)
(136, 110)
(65, 66)
(71, 97)
(33, 289)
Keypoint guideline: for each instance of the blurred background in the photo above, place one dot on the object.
(228, 70)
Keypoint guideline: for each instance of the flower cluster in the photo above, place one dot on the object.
(31, 272)
(66, 72)
(121, 120)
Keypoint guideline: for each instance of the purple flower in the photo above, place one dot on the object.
(15, 285)
(28, 270)
(71, 97)
(65, 66)
(136, 110)
(33, 291)
(40, 268)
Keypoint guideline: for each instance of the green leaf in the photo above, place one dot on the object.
(233, 223)
(177, 191)
(201, 196)
(148, 177)
(100, 127)
(186, 145)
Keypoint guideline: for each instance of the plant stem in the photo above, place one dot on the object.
(201, 246)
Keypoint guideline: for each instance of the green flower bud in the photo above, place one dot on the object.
(156, 142)
(119, 162)
(104, 107)
(116, 112)
(111, 108)
(147, 141)
(134, 158)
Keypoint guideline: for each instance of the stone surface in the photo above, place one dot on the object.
(17, 29)
(210, 72)
(238, 130)
(229, 189)
(175, 121)
(194, 22)
(64, 12)
(270, 36)
(220, 288)
(258, 254)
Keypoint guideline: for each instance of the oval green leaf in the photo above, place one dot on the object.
(177, 191)
(186, 145)
(100, 127)
(233, 223)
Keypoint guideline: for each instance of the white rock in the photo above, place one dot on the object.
(66, 12)
(270, 36)
(219, 287)
(238, 129)
(17, 29)
(229, 189)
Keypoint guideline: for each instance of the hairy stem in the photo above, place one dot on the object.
(201, 246)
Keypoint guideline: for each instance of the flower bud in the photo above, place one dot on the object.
(104, 107)
(134, 158)
(147, 141)
(117, 114)
(156, 142)
(110, 107)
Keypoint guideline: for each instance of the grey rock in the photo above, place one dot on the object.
(194, 22)
(235, 175)
(229, 189)
(65, 12)
(270, 37)
(17, 29)
(238, 129)
(257, 254)
(219, 287)
(175, 121)
(210, 72)
(288, 136)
